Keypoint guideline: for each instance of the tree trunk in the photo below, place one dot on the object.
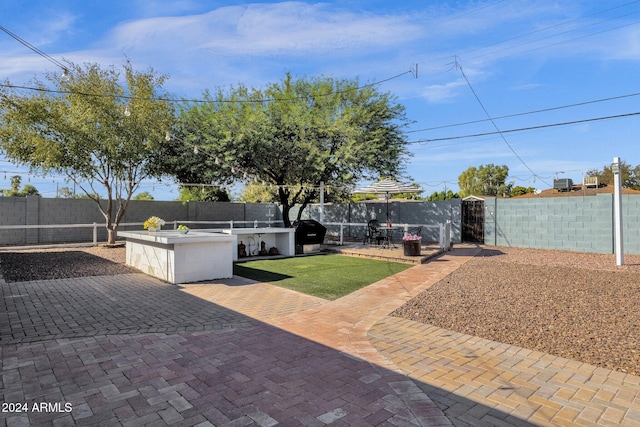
(305, 203)
(285, 215)
(283, 194)
(112, 234)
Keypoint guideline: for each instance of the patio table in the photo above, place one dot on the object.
(388, 236)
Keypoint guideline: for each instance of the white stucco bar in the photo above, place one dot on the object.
(181, 258)
(280, 237)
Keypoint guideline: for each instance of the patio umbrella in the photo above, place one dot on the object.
(387, 187)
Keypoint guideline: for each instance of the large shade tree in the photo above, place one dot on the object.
(630, 175)
(486, 180)
(96, 126)
(290, 137)
(203, 194)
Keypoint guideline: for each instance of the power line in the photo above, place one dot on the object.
(33, 48)
(458, 66)
(413, 70)
(419, 141)
(498, 132)
(539, 30)
(519, 36)
(224, 101)
(560, 33)
(569, 40)
(544, 110)
(64, 92)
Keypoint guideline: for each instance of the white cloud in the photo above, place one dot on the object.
(526, 87)
(442, 92)
(472, 152)
(290, 28)
(19, 65)
(624, 44)
(46, 32)
(164, 7)
(439, 92)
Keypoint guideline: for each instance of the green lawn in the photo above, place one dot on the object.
(324, 276)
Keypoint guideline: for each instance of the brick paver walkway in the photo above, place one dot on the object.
(89, 306)
(130, 350)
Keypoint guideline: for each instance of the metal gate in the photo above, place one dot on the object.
(473, 221)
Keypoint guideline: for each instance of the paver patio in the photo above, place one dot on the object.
(131, 350)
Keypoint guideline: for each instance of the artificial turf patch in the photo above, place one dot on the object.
(324, 276)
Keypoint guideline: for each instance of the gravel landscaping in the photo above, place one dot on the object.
(575, 305)
(60, 263)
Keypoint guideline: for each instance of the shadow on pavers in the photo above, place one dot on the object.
(132, 349)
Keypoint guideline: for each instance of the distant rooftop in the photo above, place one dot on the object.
(578, 190)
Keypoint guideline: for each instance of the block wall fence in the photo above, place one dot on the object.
(44, 211)
(408, 212)
(581, 224)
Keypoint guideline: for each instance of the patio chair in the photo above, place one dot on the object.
(373, 233)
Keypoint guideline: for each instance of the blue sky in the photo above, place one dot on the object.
(512, 57)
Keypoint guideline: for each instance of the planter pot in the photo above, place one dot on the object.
(411, 248)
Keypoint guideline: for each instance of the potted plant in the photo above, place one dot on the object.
(153, 224)
(411, 244)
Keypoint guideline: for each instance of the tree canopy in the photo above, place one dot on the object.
(442, 195)
(203, 194)
(630, 176)
(258, 193)
(94, 127)
(290, 137)
(485, 180)
(15, 191)
(145, 195)
(519, 190)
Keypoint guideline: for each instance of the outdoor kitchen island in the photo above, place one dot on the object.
(279, 237)
(181, 258)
